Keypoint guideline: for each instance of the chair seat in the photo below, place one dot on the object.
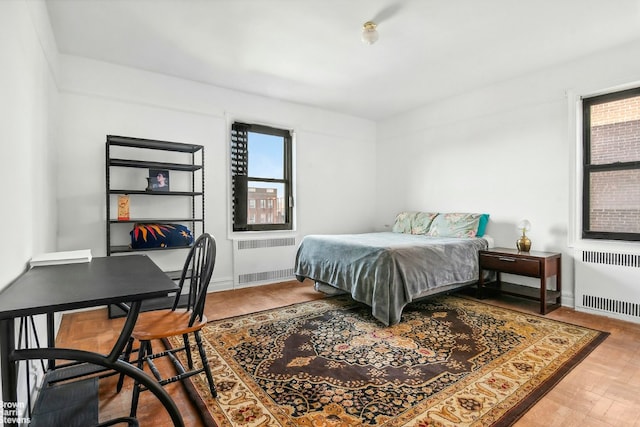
(165, 323)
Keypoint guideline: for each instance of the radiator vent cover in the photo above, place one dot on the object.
(608, 258)
(266, 243)
(611, 305)
(608, 283)
(265, 276)
(261, 261)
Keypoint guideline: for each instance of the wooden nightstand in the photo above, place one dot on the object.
(531, 264)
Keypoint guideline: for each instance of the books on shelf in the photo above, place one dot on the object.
(66, 257)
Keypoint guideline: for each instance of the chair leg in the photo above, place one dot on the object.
(142, 353)
(187, 349)
(126, 358)
(205, 364)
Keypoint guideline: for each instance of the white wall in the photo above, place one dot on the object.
(508, 150)
(27, 124)
(26, 141)
(334, 153)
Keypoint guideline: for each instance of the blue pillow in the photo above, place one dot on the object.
(149, 236)
(482, 225)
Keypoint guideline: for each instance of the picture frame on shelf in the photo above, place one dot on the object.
(158, 180)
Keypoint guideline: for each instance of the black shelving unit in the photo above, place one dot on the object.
(128, 153)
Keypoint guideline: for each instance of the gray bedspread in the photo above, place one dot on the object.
(388, 270)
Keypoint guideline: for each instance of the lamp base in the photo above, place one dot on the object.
(523, 244)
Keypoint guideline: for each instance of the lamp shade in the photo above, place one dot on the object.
(524, 225)
(369, 33)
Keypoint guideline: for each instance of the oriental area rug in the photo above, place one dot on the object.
(450, 362)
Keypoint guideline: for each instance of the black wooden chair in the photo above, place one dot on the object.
(162, 324)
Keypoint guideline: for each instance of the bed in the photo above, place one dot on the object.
(388, 270)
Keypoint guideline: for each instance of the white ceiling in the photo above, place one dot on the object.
(309, 51)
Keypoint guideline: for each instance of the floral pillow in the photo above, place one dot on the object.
(403, 222)
(422, 221)
(455, 225)
(413, 222)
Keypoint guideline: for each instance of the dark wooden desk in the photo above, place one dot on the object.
(51, 289)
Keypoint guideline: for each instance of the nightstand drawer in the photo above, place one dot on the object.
(510, 264)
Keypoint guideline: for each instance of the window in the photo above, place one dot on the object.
(611, 166)
(261, 169)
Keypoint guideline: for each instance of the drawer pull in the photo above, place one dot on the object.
(502, 258)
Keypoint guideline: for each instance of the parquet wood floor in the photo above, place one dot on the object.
(604, 390)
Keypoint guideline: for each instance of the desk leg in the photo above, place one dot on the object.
(51, 338)
(9, 372)
(127, 330)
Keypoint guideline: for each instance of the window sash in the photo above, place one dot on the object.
(240, 179)
(594, 169)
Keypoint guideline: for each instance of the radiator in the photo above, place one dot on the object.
(608, 284)
(262, 261)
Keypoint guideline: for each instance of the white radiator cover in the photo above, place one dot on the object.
(608, 283)
(262, 261)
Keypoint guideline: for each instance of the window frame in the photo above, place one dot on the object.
(239, 183)
(588, 168)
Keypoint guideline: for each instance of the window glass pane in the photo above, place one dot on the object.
(615, 131)
(266, 203)
(615, 201)
(266, 156)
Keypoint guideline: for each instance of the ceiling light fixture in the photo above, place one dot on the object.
(369, 32)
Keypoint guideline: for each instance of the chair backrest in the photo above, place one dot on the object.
(198, 269)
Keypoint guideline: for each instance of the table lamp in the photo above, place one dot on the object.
(524, 244)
